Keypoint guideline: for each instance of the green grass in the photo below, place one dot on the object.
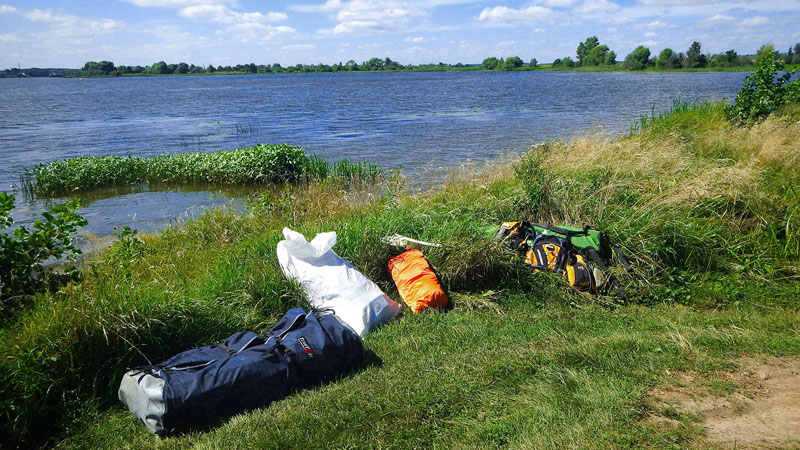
(518, 362)
(262, 164)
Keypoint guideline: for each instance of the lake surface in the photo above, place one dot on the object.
(424, 123)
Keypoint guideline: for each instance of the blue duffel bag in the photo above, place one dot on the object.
(247, 370)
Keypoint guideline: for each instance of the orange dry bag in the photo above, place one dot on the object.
(416, 282)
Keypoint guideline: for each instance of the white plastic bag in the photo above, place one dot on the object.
(330, 282)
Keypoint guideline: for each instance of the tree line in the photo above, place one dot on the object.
(107, 68)
(591, 53)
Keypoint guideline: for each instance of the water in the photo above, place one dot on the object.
(422, 122)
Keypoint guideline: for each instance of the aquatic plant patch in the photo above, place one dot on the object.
(261, 164)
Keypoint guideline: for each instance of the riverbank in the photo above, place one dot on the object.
(707, 211)
(617, 68)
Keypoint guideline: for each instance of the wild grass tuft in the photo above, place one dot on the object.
(260, 165)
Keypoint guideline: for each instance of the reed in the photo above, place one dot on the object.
(258, 165)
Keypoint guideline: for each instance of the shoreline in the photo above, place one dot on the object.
(541, 68)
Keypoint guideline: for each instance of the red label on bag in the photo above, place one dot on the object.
(306, 348)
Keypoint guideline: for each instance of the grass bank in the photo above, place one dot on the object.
(261, 164)
(709, 213)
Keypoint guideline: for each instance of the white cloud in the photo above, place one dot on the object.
(418, 40)
(614, 20)
(254, 32)
(655, 24)
(649, 34)
(431, 3)
(299, 47)
(676, 2)
(221, 14)
(650, 43)
(754, 21)
(540, 30)
(716, 19)
(369, 47)
(175, 3)
(328, 6)
(559, 3)
(175, 38)
(505, 15)
(10, 39)
(252, 27)
(66, 25)
(597, 6)
(360, 16)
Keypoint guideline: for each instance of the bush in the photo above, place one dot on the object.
(763, 92)
(637, 59)
(23, 252)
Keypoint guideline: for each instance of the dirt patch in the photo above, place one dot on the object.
(755, 406)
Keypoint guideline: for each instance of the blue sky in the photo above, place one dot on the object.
(35, 33)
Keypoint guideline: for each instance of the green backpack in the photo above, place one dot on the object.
(579, 246)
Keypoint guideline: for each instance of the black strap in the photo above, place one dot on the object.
(541, 267)
(230, 351)
(620, 255)
(592, 254)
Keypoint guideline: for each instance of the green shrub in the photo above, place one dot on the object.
(24, 252)
(763, 92)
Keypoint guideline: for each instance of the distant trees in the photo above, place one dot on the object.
(160, 68)
(494, 63)
(796, 56)
(511, 63)
(694, 58)
(566, 62)
(763, 52)
(591, 53)
(379, 64)
(585, 47)
(94, 68)
(726, 59)
(638, 59)
(490, 63)
(667, 59)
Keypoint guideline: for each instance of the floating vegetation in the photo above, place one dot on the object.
(261, 164)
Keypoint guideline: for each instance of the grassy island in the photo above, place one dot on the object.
(261, 164)
(709, 212)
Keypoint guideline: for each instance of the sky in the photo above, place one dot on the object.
(37, 33)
